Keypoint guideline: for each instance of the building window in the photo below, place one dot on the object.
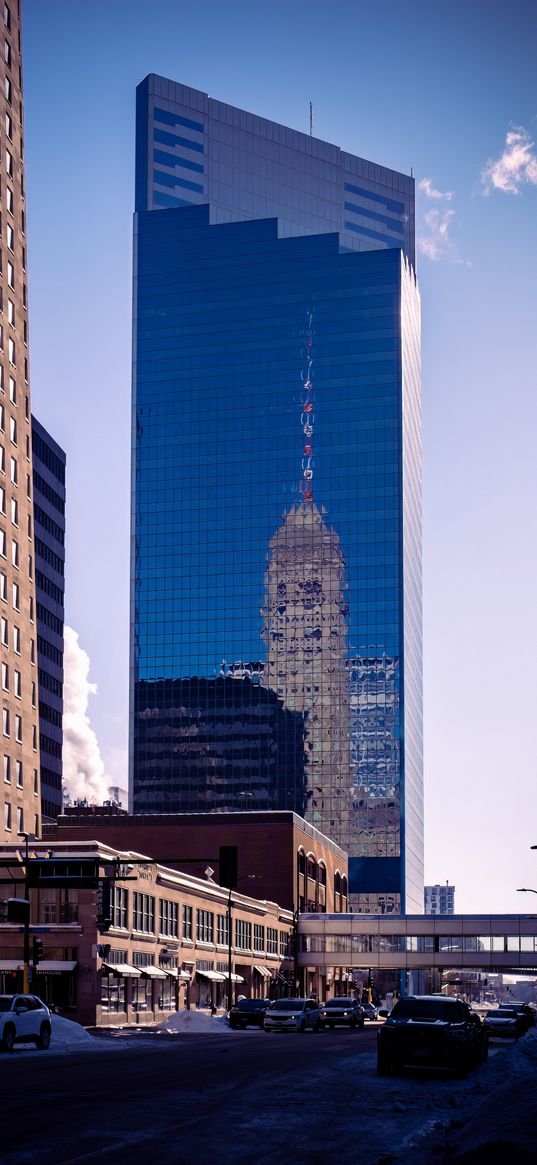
(11, 276)
(11, 312)
(7, 53)
(222, 929)
(19, 774)
(14, 511)
(259, 937)
(243, 935)
(7, 769)
(10, 236)
(2, 500)
(120, 904)
(17, 640)
(16, 596)
(9, 192)
(11, 351)
(7, 16)
(17, 684)
(7, 815)
(143, 913)
(187, 922)
(5, 721)
(169, 918)
(14, 470)
(3, 585)
(284, 944)
(4, 632)
(20, 819)
(2, 418)
(5, 677)
(272, 940)
(34, 738)
(3, 543)
(204, 926)
(36, 783)
(2, 458)
(15, 552)
(9, 156)
(18, 729)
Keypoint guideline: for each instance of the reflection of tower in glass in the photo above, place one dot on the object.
(305, 630)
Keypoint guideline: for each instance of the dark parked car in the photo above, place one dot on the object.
(510, 1020)
(248, 1011)
(431, 1031)
(342, 1010)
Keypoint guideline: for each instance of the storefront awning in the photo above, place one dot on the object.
(215, 976)
(152, 972)
(175, 973)
(235, 978)
(121, 969)
(264, 971)
(52, 965)
(47, 966)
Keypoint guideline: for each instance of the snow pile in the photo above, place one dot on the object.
(68, 1034)
(183, 1022)
(500, 1125)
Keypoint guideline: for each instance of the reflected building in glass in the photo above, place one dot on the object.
(276, 551)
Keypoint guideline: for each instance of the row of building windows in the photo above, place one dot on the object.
(418, 944)
(17, 820)
(9, 721)
(17, 640)
(247, 937)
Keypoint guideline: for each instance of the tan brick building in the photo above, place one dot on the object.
(166, 948)
(20, 808)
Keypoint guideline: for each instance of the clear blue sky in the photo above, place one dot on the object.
(433, 86)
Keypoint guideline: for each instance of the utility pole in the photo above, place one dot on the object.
(26, 936)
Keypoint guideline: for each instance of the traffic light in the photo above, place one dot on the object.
(229, 866)
(37, 949)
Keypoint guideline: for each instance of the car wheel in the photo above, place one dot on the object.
(43, 1039)
(383, 1065)
(302, 1026)
(8, 1039)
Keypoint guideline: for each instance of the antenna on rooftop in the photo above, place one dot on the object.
(311, 118)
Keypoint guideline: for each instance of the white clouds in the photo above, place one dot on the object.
(516, 165)
(431, 192)
(83, 766)
(434, 239)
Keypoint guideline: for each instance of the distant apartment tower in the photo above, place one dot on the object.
(49, 540)
(439, 899)
(20, 806)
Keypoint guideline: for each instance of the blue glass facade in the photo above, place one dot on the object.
(49, 539)
(276, 514)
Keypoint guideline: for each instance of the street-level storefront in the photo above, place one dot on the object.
(164, 945)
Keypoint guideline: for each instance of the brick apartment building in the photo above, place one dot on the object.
(293, 863)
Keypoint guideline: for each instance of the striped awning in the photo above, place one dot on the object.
(264, 971)
(122, 969)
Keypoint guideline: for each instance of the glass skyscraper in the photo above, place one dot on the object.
(276, 557)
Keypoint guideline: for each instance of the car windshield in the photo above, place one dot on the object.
(5, 1002)
(442, 1009)
(505, 1011)
(288, 1004)
(250, 1004)
(341, 1002)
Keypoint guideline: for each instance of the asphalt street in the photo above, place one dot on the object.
(231, 1099)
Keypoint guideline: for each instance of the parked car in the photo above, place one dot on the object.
(508, 1021)
(431, 1031)
(523, 1009)
(369, 1010)
(24, 1019)
(248, 1011)
(343, 1011)
(286, 1015)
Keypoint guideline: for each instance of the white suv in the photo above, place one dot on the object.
(287, 1015)
(24, 1019)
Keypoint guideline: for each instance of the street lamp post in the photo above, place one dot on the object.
(244, 878)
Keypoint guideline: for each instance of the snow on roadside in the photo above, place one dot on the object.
(183, 1022)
